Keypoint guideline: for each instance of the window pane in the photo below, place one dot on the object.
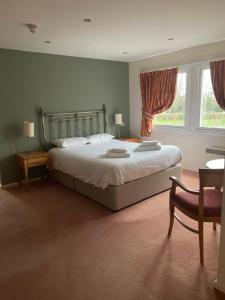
(175, 114)
(211, 116)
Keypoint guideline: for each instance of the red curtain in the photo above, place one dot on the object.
(158, 92)
(218, 81)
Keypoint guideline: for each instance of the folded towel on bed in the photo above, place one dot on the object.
(111, 154)
(148, 148)
(150, 143)
(118, 150)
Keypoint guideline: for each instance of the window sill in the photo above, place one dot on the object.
(169, 128)
(213, 131)
(180, 129)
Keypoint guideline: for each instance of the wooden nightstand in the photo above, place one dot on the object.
(29, 160)
(131, 139)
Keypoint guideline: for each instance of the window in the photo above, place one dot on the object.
(211, 115)
(195, 106)
(175, 115)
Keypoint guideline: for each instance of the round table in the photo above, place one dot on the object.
(215, 164)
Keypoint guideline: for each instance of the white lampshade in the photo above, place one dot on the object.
(28, 129)
(118, 119)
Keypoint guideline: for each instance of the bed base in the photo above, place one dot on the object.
(118, 197)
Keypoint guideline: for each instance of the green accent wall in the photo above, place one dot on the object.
(58, 83)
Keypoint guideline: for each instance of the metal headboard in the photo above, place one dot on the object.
(71, 124)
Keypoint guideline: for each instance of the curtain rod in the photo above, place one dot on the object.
(184, 65)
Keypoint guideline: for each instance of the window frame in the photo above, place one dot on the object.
(192, 102)
(203, 67)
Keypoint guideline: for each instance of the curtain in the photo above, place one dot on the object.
(158, 92)
(218, 81)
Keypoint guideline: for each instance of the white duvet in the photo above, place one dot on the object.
(88, 162)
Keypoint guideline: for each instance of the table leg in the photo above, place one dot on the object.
(18, 173)
(26, 176)
(49, 166)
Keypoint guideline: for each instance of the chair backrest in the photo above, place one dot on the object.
(211, 177)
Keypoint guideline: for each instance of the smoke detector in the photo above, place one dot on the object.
(33, 28)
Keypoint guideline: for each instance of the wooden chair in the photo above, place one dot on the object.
(203, 205)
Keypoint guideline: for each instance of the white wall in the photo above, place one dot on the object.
(192, 143)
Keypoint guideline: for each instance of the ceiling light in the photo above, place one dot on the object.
(170, 39)
(33, 28)
(87, 20)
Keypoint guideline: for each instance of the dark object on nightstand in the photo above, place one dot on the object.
(130, 139)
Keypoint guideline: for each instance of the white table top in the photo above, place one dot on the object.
(215, 164)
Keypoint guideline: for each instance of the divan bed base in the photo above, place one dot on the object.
(118, 197)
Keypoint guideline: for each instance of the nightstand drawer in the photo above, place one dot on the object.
(37, 161)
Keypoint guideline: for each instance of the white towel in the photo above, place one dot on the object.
(111, 154)
(148, 148)
(118, 150)
(150, 143)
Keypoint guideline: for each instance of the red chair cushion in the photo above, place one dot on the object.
(212, 202)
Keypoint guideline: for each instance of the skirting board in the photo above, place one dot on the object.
(218, 286)
(12, 184)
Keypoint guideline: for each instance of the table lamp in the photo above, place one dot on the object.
(118, 122)
(29, 133)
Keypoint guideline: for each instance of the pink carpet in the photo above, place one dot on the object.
(56, 244)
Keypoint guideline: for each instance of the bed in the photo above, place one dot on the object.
(114, 183)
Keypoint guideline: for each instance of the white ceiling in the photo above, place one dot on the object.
(139, 27)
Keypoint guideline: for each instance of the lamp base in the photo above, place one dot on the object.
(118, 126)
(28, 145)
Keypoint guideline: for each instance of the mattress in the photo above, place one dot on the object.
(89, 164)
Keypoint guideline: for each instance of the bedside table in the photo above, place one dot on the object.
(29, 160)
(130, 139)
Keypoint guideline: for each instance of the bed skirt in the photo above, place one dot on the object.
(118, 197)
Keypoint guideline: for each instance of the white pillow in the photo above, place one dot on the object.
(99, 138)
(70, 142)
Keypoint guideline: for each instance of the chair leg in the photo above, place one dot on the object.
(171, 219)
(214, 225)
(201, 246)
